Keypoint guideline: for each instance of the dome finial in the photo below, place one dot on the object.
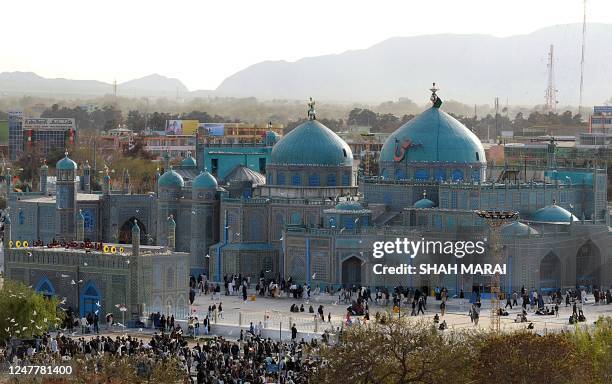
(312, 115)
(424, 194)
(437, 102)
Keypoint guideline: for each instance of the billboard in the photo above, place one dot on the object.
(174, 127)
(49, 124)
(190, 127)
(602, 109)
(181, 127)
(213, 129)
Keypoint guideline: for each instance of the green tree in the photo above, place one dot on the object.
(398, 351)
(24, 312)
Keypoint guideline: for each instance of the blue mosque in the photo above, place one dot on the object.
(311, 216)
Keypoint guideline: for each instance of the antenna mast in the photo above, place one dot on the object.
(582, 59)
(551, 92)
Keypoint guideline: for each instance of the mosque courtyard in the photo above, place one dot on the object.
(274, 311)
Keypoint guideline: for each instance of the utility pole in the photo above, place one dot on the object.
(582, 58)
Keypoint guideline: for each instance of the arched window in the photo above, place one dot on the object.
(280, 177)
(331, 179)
(170, 278)
(457, 175)
(346, 179)
(476, 175)
(421, 174)
(296, 218)
(313, 180)
(440, 174)
(296, 180)
(400, 174)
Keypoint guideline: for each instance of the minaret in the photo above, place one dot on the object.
(9, 180)
(135, 239)
(106, 186)
(66, 199)
(166, 160)
(80, 226)
(44, 172)
(157, 176)
(552, 154)
(86, 177)
(126, 182)
(171, 233)
(7, 232)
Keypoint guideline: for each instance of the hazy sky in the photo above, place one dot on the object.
(203, 41)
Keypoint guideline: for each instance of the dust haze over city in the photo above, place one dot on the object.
(306, 192)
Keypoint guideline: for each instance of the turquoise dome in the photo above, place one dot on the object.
(66, 164)
(553, 214)
(424, 203)
(312, 143)
(171, 178)
(189, 161)
(204, 181)
(516, 228)
(434, 136)
(349, 206)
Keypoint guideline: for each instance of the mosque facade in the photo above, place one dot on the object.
(309, 215)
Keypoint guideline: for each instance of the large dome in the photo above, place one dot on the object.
(312, 143)
(433, 136)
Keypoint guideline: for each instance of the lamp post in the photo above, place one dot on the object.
(495, 220)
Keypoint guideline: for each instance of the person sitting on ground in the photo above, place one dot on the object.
(443, 325)
(530, 326)
(436, 319)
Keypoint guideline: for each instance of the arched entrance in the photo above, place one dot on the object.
(125, 232)
(588, 265)
(550, 272)
(90, 300)
(45, 288)
(351, 271)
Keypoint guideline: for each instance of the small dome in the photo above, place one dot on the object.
(171, 178)
(66, 164)
(44, 166)
(553, 214)
(424, 203)
(349, 206)
(517, 228)
(135, 227)
(241, 174)
(312, 143)
(204, 181)
(189, 161)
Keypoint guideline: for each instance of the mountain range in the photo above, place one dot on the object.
(471, 68)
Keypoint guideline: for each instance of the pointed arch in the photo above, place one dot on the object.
(45, 287)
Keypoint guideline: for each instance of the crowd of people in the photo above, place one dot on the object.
(215, 360)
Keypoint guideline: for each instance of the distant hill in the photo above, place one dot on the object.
(153, 85)
(468, 68)
(472, 69)
(28, 83)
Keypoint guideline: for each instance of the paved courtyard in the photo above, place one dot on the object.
(272, 311)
